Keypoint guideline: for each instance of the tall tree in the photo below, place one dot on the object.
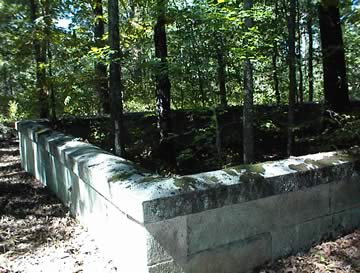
(299, 56)
(275, 55)
(115, 79)
(163, 84)
(221, 69)
(248, 130)
(292, 75)
(310, 65)
(47, 36)
(333, 55)
(39, 44)
(197, 61)
(101, 79)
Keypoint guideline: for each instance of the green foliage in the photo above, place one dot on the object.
(196, 30)
(14, 113)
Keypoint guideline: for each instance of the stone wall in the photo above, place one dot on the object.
(226, 221)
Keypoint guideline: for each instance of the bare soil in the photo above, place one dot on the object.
(37, 233)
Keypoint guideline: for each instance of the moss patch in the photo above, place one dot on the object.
(248, 173)
(254, 168)
(212, 179)
(185, 183)
(230, 172)
(146, 179)
(300, 167)
(121, 176)
(251, 177)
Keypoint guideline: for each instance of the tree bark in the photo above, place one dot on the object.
(101, 79)
(299, 57)
(333, 54)
(197, 61)
(163, 88)
(39, 46)
(274, 62)
(163, 85)
(50, 84)
(221, 70)
(115, 79)
(218, 143)
(248, 116)
(309, 24)
(292, 75)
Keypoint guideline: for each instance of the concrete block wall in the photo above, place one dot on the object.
(227, 221)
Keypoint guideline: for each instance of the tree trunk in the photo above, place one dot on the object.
(248, 130)
(48, 22)
(51, 85)
(40, 59)
(310, 51)
(221, 71)
(218, 143)
(163, 85)
(274, 62)
(333, 55)
(101, 79)
(299, 57)
(115, 79)
(292, 75)
(198, 66)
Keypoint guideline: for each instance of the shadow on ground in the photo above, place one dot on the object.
(29, 215)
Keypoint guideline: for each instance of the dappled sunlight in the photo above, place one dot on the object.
(30, 216)
(37, 233)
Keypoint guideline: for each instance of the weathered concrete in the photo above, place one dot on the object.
(224, 221)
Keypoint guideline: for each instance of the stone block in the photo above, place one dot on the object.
(300, 237)
(221, 226)
(284, 242)
(346, 221)
(346, 193)
(59, 179)
(167, 240)
(166, 267)
(28, 155)
(123, 239)
(313, 232)
(41, 159)
(238, 257)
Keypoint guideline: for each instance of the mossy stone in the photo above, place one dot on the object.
(253, 168)
(121, 176)
(251, 177)
(299, 167)
(212, 179)
(185, 182)
(230, 172)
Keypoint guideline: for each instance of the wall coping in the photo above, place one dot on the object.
(147, 198)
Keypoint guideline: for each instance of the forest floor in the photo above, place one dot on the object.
(37, 233)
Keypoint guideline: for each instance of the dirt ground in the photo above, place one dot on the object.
(37, 234)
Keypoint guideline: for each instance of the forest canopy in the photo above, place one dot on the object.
(204, 39)
(95, 57)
